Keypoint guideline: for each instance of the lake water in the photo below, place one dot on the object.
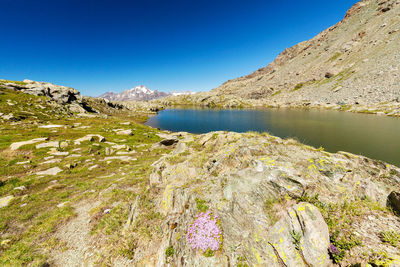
(374, 136)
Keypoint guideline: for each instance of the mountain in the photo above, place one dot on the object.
(356, 60)
(140, 92)
(353, 65)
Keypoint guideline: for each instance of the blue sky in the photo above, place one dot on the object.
(102, 45)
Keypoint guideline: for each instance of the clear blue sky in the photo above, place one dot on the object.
(102, 45)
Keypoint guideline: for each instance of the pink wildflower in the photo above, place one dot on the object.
(204, 233)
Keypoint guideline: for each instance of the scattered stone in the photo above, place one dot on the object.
(125, 132)
(9, 117)
(23, 205)
(4, 201)
(74, 156)
(22, 188)
(126, 123)
(122, 158)
(90, 138)
(71, 165)
(55, 144)
(15, 146)
(133, 213)
(109, 151)
(169, 142)
(393, 202)
(52, 171)
(59, 153)
(106, 211)
(93, 167)
(64, 144)
(119, 147)
(23, 162)
(51, 161)
(62, 204)
(49, 157)
(51, 126)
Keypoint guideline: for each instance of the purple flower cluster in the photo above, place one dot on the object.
(334, 249)
(205, 233)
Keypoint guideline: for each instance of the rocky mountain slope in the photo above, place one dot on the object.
(138, 93)
(103, 189)
(353, 64)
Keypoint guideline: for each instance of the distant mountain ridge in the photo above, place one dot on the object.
(139, 93)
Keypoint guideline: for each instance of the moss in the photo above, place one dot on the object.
(169, 252)
(201, 205)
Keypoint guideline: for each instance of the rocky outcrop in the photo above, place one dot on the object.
(278, 202)
(61, 94)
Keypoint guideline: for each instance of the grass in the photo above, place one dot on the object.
(391, 237)
(335, 56)
(27, 231)
(16, 82)
(298, 87)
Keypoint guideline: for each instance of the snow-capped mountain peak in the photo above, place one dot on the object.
(140, 92)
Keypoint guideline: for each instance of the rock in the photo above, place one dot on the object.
(76, 108)
(71, 165)
(51, 126)
(23, 162)
(4, 201)
(125, 132)
(55, 144)
(93, 167)
(169, 142)
(9, 117)
(119, 147)
(122, 158)
(305, 221)
(109, 151)
(133, 213)
(61, 94)
(74, 156)
(51, 161)
(61, 205)
(90, 138)
(64, 144)
(52, 171)
(59, 153)
(393, 202)
(106, 211)
(22, 188)
(15, 146)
